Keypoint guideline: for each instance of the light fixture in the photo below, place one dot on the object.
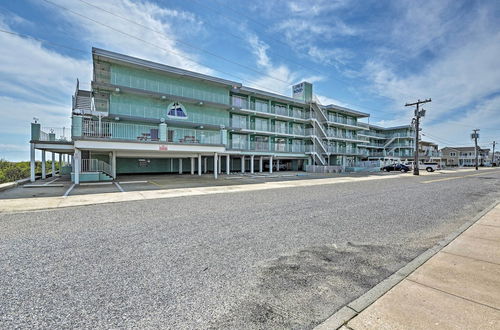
(163, 97)
(117, 118)
(117, 90)
(162, 120)
(200, 103)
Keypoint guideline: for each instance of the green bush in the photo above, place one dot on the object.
(13, 171)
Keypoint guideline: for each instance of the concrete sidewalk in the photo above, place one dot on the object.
(458, 288)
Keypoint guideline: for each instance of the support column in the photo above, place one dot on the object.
(219, 162)
(76, 166)
(53, 164)
(180, 165)
(205, 165)
(216, 165)
(242, 164)
(199, 164)
(228, 164)
(271, 164)
(277, 165)
(252, 158)
(44, 173)
(192, 165)
(261, 164)
(60, 164)
(32, 162)
(113, 164)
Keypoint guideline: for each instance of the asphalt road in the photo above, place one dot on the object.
(283, 258)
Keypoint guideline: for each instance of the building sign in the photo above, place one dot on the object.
(163, 147)
(298, 91)
(177, 111)
(143, 162)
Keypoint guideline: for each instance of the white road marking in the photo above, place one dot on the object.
(127, 182)
(95, 183)
(69, 190)
(119, 187)
(46, 183)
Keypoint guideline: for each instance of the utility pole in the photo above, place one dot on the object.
(493, 154)
(475, 136)
(416, 120)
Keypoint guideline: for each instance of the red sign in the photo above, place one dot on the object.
(163, 147)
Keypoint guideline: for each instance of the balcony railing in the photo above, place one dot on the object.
(340, 120)
(374, 134)
(243, 103)
(194, 136)
(55, 134)
(147, 133)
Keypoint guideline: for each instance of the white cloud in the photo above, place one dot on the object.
(325, 100)
(161, 46)
(460, 75)
(36, 81)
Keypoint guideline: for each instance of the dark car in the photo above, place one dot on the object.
(395, 167)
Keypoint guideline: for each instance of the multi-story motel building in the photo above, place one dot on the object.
(465, 156)
(145, 117)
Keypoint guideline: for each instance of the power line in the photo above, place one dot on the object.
(272, 38)
(185, 43)
(43, 41)
(156, 46)
(181, 55)
(201, 49)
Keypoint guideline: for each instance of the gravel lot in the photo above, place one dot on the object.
(284, 258)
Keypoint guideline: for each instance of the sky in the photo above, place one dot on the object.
(371, 55)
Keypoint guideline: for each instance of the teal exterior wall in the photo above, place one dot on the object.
(150, 108)
(160, 83)
(35, 131)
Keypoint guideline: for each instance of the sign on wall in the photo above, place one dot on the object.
(298, 91)
(176, 111)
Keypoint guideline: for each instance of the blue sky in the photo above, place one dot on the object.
(372, 56)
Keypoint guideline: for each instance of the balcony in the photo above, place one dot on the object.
(264, 108)
(373, 134)
(344, 150)
(55, 134)
(265, 146)
(107, 130)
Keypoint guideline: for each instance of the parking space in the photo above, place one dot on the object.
(49, 187)
(62, 186)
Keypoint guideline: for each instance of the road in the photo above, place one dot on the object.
(280, 258)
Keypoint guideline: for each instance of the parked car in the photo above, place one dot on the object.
(395, 167)
(283, 167)
(428, 166)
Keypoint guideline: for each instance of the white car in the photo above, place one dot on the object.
(428, 166)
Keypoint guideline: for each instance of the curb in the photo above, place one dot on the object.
(349, 311)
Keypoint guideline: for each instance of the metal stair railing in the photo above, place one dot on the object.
(390, 141)
(96, 165)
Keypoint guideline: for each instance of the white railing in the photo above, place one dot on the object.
(194, 136)
(124, 131)
(95, 165)
(55, 134)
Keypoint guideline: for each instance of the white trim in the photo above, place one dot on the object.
(69, 190)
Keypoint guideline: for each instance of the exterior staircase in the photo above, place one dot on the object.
(82, 100)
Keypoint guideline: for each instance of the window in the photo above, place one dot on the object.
(239, 121)
(453, 154)
(239, 141)
(261, 106)
(177, 111)
(261, 124)
(261, 143)
(280, 127)
(280, 144)
(239, 101)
